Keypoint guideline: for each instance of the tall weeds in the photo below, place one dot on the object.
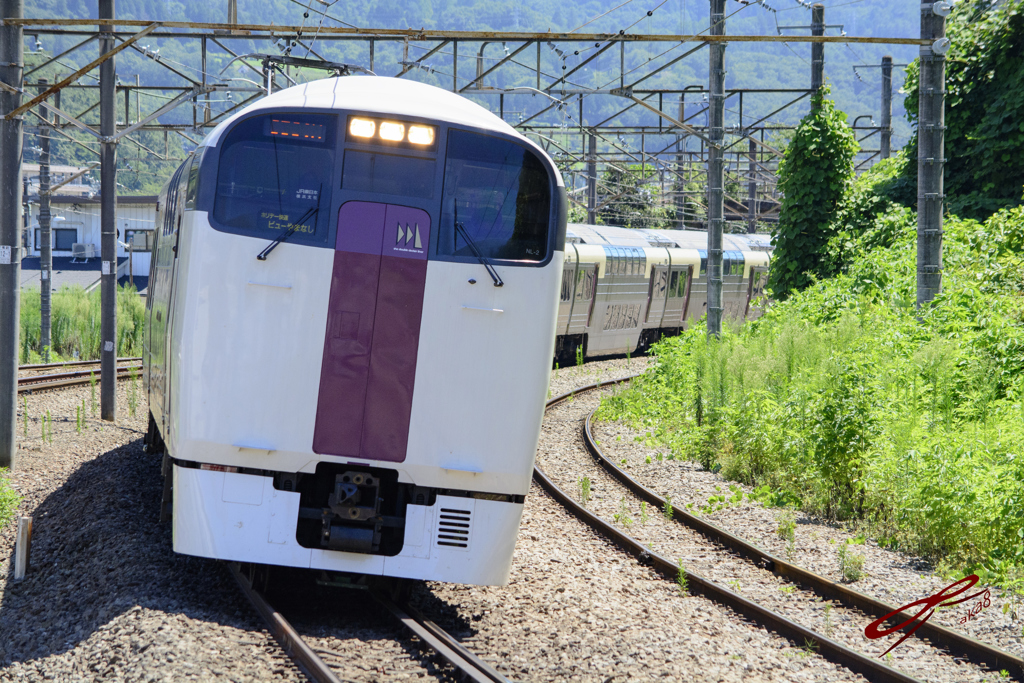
(75, 324)
(844, 402)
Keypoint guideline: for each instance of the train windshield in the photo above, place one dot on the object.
(504, 200)
(275, 175)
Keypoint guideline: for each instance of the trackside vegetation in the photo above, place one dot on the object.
(9, 499)
(75, 324)
(840, 401)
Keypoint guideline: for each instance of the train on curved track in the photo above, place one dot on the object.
(357, 288)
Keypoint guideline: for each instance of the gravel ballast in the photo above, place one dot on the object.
(106, 599)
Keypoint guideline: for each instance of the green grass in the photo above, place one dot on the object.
(75, 324)
(842, 403)
(9, 499)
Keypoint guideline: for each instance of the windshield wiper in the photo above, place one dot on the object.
(498, 282)
(313, 211)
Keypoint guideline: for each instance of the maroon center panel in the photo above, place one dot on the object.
(373, 326)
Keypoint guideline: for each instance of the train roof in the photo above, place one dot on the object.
(642, 237)
(379, 95)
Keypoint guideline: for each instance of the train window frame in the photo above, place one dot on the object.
(555, 233)
(323, 234)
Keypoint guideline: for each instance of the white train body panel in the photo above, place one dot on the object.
(358, 400)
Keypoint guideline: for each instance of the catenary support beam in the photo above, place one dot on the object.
(716, 168)
(12, 52)
(931, 152)
(108, 228)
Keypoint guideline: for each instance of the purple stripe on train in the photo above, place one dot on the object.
(373, 325)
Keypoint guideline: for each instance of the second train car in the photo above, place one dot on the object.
(623, 289)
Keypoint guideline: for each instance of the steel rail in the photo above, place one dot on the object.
(74, 363)
(949, 639)
(67, 379)
(870, 668)
(439, 640)
(292, 643)
(450, 649)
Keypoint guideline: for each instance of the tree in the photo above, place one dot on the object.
(813, 177)
(984, 108)
(632, 199)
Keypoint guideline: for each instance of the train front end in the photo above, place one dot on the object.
(359, 325)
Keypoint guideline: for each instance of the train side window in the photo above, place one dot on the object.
(276, 172)
(567, 281)
(502, 194)
(193, 179)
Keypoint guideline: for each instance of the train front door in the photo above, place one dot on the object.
(373, 328)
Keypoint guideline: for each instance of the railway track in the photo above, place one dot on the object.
(35, 367)
(727, 547)
(468, 665)
(58, 380)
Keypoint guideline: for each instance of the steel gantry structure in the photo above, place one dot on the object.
(553, 86)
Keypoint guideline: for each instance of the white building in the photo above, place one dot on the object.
(76, 220)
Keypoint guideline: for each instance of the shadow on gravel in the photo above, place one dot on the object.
(98, 551)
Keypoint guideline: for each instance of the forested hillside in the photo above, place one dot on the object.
(749, 65)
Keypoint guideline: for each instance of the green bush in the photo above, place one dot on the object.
(843, 402)
(75, 324)
(813, 177)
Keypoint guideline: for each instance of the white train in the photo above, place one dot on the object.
(351, 318)
(623, 289)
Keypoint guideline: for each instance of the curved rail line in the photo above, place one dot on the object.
(855, 661)
(68, 379)
(953, 641)
(451, 650)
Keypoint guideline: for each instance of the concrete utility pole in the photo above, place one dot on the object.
(931, 150)
(108, 228)
(45, 233)
(817, 49)
(12, 53)
(716, 168)
(752, 188)
(680, 185)
(886, 106)
(592, 180)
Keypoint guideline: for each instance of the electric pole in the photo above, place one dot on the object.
(592, 180)
(45, 232)
(12, 59)
(108, 228)
(886, 106)
(817, 49)
(931, 150)
(752, 188)
(716, 169)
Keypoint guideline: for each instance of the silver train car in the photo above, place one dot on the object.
(348, 334)
(624, 289)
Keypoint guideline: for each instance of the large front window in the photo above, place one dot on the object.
(276, 173)
(501, 195)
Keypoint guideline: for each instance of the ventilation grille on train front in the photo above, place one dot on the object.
(453, 528)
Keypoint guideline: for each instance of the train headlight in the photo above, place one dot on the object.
(395, 132)
(362, 128)
(421, 135)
